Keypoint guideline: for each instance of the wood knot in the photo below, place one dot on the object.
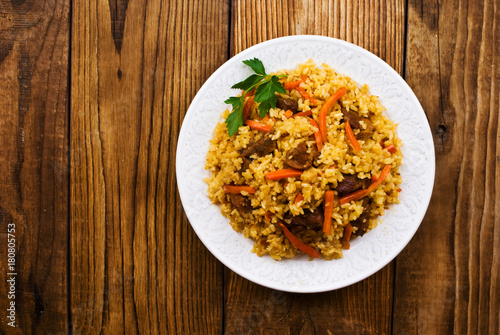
(441, 129)
(119, 72)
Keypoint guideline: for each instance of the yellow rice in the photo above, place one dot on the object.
(337, 158)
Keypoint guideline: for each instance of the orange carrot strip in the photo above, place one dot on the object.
(353, 196)
(391, 148)
(327, 223)
(385, 172)
(288, 114)
(306, 95)
(292, 84)
(350, 136)
(285, 173)
(236, 189)
(326, 108)
(304, 113)
(247, 106)
(259, 126)
(317, 135)
(362, 193)
(252, 92)
(347, 232)
(299, 244)
(347, 236)
(298, 198)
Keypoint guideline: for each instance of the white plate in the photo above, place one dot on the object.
(369, 253)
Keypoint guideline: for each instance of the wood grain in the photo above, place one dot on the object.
(448, 278)
(130, 262)
(34, 174)
(364, 308)
(378, 26)
(136, 265)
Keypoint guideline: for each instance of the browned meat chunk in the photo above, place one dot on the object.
(314, 153)
(287, 104)
(312, 220)
(241, 203)
(362, 221)
(298, 158)
(246, 164)
(354, 120)
(262, 147)
(352, 117)
(364, 134)
(350, 184)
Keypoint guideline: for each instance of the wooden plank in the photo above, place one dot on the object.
(34, 174)
(377, 26)
(367, 306)
(363, 308)
(136, 265)
(448, 278)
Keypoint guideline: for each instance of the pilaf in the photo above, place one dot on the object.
(315, 172)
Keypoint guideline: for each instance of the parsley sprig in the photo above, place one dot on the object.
(265, 94)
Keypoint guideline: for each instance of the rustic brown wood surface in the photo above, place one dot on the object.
(93, 98)
(34, 173)
(448, 278)
(136, 265)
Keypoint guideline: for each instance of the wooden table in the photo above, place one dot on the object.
(93, 94)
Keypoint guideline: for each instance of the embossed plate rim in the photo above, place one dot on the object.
(367, 254)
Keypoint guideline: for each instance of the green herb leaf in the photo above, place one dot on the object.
(235, 101)
(248, 83)
(277, 86)
(256, 65)
(265, 106)
(265, 94)
(235, 119)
